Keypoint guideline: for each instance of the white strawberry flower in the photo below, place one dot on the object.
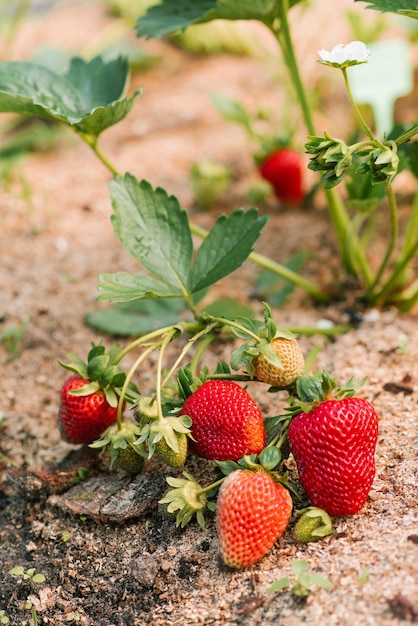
(343, 56)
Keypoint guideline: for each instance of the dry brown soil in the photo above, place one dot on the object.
(112, 557)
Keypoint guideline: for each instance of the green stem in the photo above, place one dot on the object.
(92, 142)
(399, 268)
(360, 118)
(392, 240)
(407, 135)
(262, 261)
(281, 270)
(185, 350)
(285, 41)
(227, 322)
(188, 327)
(281, 436)
(337, 211)
(411, 230)
(128, 379)
(164, 343)
(407, 299)
(313, 330)
(212, 486)
(199, 351)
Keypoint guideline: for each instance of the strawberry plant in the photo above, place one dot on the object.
(190, 409)
(301, 585)
(374, 158)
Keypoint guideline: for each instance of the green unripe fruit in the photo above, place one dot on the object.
(168, 455)
(129, 461)
(313, 525)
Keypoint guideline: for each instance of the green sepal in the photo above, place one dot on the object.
(270, 458)
(313, 524)
(76, 365)
(118, 438)
(103, 374)
(96, 366)
(187, 497)
(85, 390)
(318, 387)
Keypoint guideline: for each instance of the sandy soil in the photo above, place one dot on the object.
(113, 557)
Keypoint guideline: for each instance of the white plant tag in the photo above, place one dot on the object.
(385, 77)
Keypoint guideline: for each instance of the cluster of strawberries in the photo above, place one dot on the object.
(331, 433)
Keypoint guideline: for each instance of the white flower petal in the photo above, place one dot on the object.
(356, 51)
(324, 54)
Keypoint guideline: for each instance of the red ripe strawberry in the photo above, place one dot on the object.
(283, 169)
(252, 512)
(82, 419)
(334, 446)
(89, 398)
(227, 423)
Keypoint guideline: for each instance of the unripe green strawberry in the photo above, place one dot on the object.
(291, 357)
(168, 455)
(252, 512)
(313, 525)
(226, 422)
(129, 461)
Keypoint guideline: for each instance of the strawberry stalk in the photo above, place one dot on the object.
(337, 210)
(129, 376)
(195, 338)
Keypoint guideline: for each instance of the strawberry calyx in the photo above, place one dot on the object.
(318, 387)
(313, 525)
(188, 498)
(259, 336)
(269, 145)
(267, 462)
(101, 373)
(154, 427)
(118, 438)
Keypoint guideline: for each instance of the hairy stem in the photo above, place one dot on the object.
(336, 208)
(128, 379)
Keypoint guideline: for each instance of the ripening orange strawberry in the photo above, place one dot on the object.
(252, 512)
(292, 363)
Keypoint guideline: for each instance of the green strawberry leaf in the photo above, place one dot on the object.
(136, 317)
(87, 97)
(229, 308)
(172, 15)
(232, 111)
(270, 458)
(405, 7)
(299, 567)
(227, 467)
(226, 247)
(124, 287)
(153, 228)
(243, 355)
(76, 365)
